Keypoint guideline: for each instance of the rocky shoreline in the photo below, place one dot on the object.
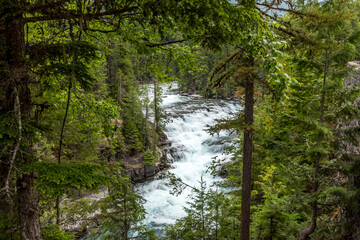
(138, 172)
(135, 169)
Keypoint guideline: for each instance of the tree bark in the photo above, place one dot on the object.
(29, 213)
(15, 76)
(247, 154)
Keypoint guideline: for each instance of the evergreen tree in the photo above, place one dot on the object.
(208, 215)
(124, 212)
(132, 117)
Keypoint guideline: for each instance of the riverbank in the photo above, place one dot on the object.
(88, 214)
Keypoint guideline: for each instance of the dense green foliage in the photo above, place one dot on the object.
(149, 158)
(54, 232)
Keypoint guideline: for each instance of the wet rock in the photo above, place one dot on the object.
(136, 173)
(151, 170)
(176, 90)
(196, 96)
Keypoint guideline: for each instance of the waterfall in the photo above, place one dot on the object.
(195, 149)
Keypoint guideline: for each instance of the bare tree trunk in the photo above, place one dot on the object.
(156, 107)
(57, 206)
(156, 119)
(247, 154)
(146, 119)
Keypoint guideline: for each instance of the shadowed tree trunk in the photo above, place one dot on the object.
(15, 78)
(247, 152)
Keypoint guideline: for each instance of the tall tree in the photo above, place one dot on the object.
(242, 67)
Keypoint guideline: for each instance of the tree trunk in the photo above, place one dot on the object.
(111, 65)
(145, 128)
(29, 214)
(247, 154)
(156, 107)
(15, 76)
(58, 200)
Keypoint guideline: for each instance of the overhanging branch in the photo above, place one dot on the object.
(72, 14)
(150, 44)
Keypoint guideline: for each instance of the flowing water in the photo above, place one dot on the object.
(195, 149)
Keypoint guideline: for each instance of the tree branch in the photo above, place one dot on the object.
(39, 7)
(295, 34)
(150, 44)
(72, 14)
(236, 55)
(270, 6)
(17, 111)
(56, 34)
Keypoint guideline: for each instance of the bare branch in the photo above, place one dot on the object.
(290, 10)
(17, 110)
(150, 44)
(270, 16)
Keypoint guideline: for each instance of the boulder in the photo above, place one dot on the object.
(151, 170)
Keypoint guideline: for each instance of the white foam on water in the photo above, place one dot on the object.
(187, 129)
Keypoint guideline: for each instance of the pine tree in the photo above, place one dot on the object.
(124, 212)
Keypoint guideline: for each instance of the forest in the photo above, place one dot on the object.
(246, 113)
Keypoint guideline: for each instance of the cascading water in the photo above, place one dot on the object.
(195, 150)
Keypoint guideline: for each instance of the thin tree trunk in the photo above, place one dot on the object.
(156, 122)
(64, 121)
(247, 155)
(111, 65)
(156, 119)
(271, 227)
(60, 146)
(145, 129)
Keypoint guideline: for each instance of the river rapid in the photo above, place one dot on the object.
(195, 150)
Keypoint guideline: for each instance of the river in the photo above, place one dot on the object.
(195, 150)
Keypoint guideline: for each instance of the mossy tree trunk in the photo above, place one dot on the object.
(15, 78)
